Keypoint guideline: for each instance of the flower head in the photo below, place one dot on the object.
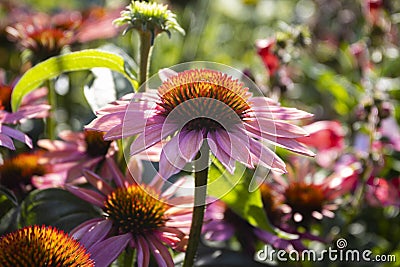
(308, 196)
(269, 58)
(196, 105)
(37, 246)
(81, 150)
(152, 17)
(135, 215)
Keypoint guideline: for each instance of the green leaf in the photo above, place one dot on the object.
(82, 60)
(7, 201)
(233, 189)
(55, 207)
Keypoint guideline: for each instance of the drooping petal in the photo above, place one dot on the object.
(170, 160)
(220, 154)
(87, 195)
(20, 136)
(105, 252)
(189, 143)
(262, 127)
(117, 175)
(97, 182)
(160, 252)
(96, 233)
(143, 252)
(151, 135)
(235, 144)
(6, 141)
(83, 228)
(264, 155)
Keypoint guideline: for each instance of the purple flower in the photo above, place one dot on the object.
(135, 215)
(194, 105)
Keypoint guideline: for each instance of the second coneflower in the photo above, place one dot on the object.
(200, 104)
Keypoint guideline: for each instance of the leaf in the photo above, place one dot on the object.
(7, 201)
(233, 189)
(82, 60)
(55, 207)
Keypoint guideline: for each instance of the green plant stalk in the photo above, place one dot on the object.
(200, 194)
(145, 57)
(52, 99)
(129, 259)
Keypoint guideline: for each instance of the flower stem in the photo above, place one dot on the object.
(200, 194)
(52, 99)
(145, 56)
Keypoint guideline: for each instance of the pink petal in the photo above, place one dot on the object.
(20, 136)
(221, 155)
(118, 177)
(6, 141)
(276, 128)
(87, 195)
(143, 252)
(97, 182)
(151, 135)
(189, 144)
(294, 146)
(106, 122)
(81, 229)
(160, 252)
(96, 233)
(266, 157)
(235, 144)
(170, 160)
(105, 252)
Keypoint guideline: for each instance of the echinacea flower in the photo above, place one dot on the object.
(149, 16)
(309, 196)
(40, 37)
(23, 172)
(135, 215)
(32, 106)
(82, 150)
(200, 104)
(36, 246)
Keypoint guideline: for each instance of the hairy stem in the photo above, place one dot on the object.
(145, 56)
(200, 194)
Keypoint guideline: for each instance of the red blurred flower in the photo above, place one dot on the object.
(269, 58)
(383, 192)
(327, 137)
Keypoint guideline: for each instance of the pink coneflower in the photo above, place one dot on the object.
(135, 215)
(309, 196)
(82, 150)
(33, 106)
(42, 246)
(194, 105)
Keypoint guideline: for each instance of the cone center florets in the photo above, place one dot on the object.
(204, 99)
(41, 246)
(135, 210)
(304, 198)
(95, 144)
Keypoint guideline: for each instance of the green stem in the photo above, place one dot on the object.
(129, 259)
(145, 56)
(200, 194)
(52, 99)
